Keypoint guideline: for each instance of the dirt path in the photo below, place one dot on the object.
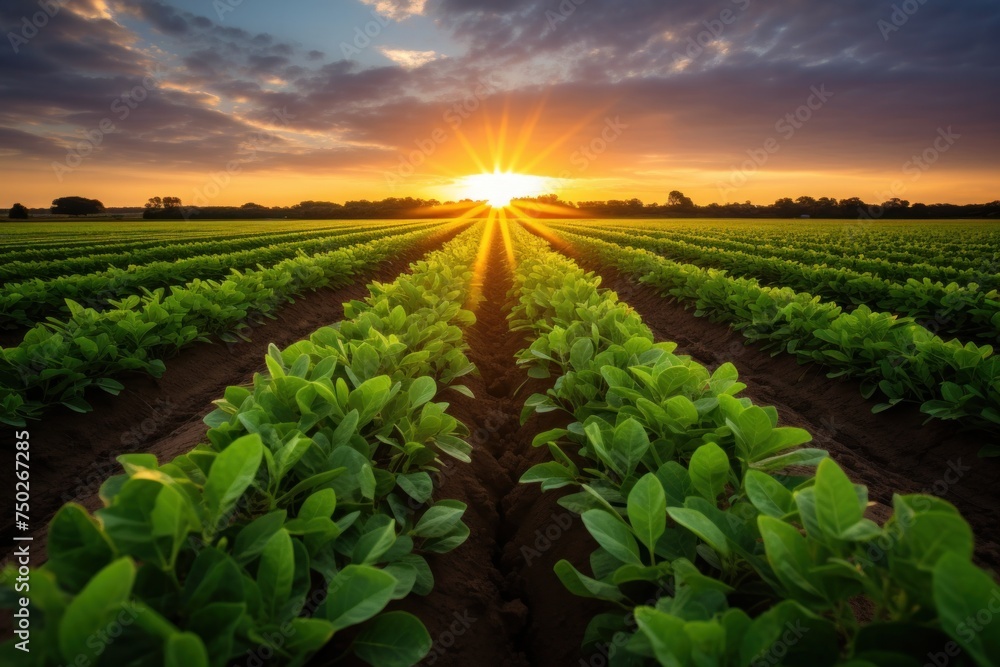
(891, 452)
(72, 454)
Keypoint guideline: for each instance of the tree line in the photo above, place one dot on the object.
(676, 205)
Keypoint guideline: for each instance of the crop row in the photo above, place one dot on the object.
(88, 260)
(718, 546)
(982, 271)
(31, 235)
(937, 257)
(22, 304)
(308, 511)
(963, 245)
(95, 242)
(969, 311)
(44, 248)
(58, 361)
(893, 357)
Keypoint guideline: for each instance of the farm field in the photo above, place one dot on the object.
(505, 441)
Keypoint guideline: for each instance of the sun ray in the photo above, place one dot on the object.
(534, 208)
(479, 268)
(502, 137)
(527, 131)
(508, 245)
(467, 145)
(570, 133)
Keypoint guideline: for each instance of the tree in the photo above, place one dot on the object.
(76, 206)
(250, 205)
(156, 203)
(18, 212)
(676, 198)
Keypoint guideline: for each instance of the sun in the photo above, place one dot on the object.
(499, 188)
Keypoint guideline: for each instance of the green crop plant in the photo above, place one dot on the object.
(723, 539)
(309, 510)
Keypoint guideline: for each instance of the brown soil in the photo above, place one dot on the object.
(891, 452)
(72, 454)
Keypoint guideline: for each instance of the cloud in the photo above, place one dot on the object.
(409, 59)
(697, 88)
(397, 9)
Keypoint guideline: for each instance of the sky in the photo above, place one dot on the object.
(222, 102)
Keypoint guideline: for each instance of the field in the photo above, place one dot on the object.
(502, 441)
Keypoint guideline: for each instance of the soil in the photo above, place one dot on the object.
(890, 452)
(72, 454)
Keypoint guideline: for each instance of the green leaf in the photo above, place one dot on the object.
(788, 554)
(581, 353)
(675, 481)
(422, 390)
(94, 608)
(440, 519)
(837, 504)
(583, 586)
(546, 437)
(216, 624)
(629, 445)
(357, 593)
(308, 635)
(552, 475)
(319, 505)
(452, 540)
(185, 649)
(964, 594)
(753, 428)
(310, 483)
(417, 485)
(702, 526)
(666, 635)
(613, 535)
(394, 639)
(252, 539)
(807, 458)
(276, 572)
(378, 539)
(709, 470)
(232, 472)
(78, 549)
(647, 510)
(767, 494)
